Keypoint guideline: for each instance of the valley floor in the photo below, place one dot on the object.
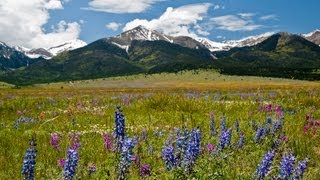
(157, 105)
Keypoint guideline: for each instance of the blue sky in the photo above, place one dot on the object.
(90, 20)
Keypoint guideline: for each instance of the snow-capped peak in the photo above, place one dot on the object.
(214, 46)
(311, 33)
(71, 45)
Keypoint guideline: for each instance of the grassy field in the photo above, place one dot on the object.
(158, 104)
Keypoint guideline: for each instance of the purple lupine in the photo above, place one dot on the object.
(259, 134)
(181, 144)
(119, 129)
(278, 111)
(287, 165)
(241, 140)
(223, 123)
(212, 128)
(71, 164)
(300, 169)
(55, 140)
(168, 155)
(225, 138)
(107, 141)
(91, 168)
(75, 140)
(144, 134)
(265, 164)
(145, 170)
(268, 120)
(268, 108)
(125, 157)
(277, 126)
(210, 148)
(193, 149)
(29, 161)
(61, 162)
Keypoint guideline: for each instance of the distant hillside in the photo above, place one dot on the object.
(104, 59)
(281, 55)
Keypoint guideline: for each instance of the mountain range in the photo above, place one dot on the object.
(141, 50)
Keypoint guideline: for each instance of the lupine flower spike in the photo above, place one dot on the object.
(29, 161)
(265, 164)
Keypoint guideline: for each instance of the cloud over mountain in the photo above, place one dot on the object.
(21, 23)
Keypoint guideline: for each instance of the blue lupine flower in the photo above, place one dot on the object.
(29, 162)
(300, 169)
(225, 138)
(276, 144)
(119, 124)
(181, 144)
(287, 165)
(119, 128)
(277, 126)
(126, 157)
(264, 165)
(71, 164)
(223, 124)
(259, 134)
(168, 156)
(268, 120)
(241, 140)
(212, 128)
(193, 149)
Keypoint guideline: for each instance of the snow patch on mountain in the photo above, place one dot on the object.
(68, 46)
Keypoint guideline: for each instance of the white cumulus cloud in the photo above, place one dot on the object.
(179, 21)
(121, 6)
(113, 26)
(240, 22)
(21, 23)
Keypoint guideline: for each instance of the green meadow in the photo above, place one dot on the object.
(158, 104)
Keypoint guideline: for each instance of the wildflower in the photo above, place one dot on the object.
(308, 117)
(278, 111)
(223, 125)
(268, 120)
(150, 150)
(241, 140)
(168, 155)
(71, 164)
(181, 144)
(24, 120)
(287, 165)
(107, 142)
(29, 161)
(212, 128)
(75, 140)
(125, 157)
(264, 165)
(210, 148)
(92, 168)
(61, 162)
(144, 134)
(258, 135)
(119, 128)
(277, 126)
(225, 138)
(276, 144)
(145, 170)
(268, 108)
(55, 140)
(300, 169)
(193, 149)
